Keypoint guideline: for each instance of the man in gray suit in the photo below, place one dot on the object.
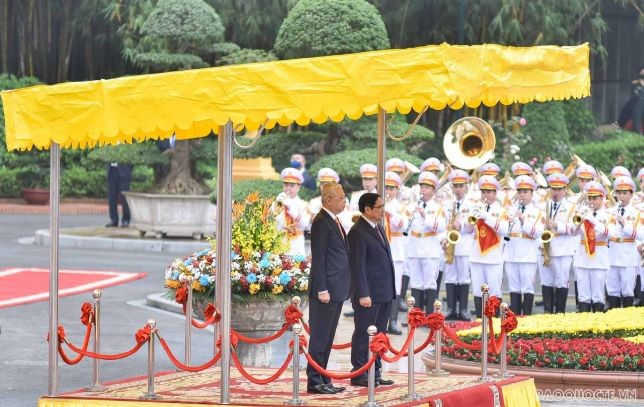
(328, 285)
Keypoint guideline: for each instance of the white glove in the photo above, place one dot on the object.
(482, 215)
(590, 218)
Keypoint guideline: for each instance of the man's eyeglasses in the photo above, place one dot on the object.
(379, 206)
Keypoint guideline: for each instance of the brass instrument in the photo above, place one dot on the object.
(469, 143)
(603, 179)
(444, 179)
(410, 169)
(506, 181)
(578, 218)
(540, 179)
(546, 238)
(453, 237)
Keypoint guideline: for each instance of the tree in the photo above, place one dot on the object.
(327, 27)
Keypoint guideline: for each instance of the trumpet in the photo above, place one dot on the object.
(578, 218)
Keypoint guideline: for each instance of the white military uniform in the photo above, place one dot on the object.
(395, 225)
(487, 267)
(520, 252)
(424, 249)
(624, 257)
(459, 271)
(295, 219)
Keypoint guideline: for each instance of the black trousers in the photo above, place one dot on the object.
(323, 321)
(378, 315)
(116, 184)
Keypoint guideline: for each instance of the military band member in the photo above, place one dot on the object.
(369, 174)
(619, 171)
(558, 213)
(457, 273)
(639, 196)
(552, 167)
(486, 259)
(591, 261)
(433, 165)
(325, 176)
(405, 194)
(520, 251)
(292, 215)
(624, 257)
(395, 223)
(427, 222)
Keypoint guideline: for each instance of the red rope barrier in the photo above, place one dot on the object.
(403, 349)
(211, 314)
(188, 368)
(265, 380)
(141, 336)
(87, 313)
(492, 306)
(261, 340)
(452, 335)
(331, 375)
(61, 351)
(338, 346)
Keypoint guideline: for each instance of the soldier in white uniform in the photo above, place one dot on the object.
(369, 174)
(591, 261)
(427, 222)
(624, 257)
(395, 223)
(457, 273)
(486, 259)
(292, 215)
(639, 196)
(619, 171)
(405, 193)
(325, 176)
(520, 252)
(558, 213)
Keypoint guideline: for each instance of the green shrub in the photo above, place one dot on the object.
(547, 133)
(580, 121)
(82, 182)
(280, 146)
(619, 148)
(347, 164)
(142, 178)
(136, 153)
(9, 186)
(363, 133)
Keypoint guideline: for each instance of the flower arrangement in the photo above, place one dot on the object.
(258, 269)
(588, 341)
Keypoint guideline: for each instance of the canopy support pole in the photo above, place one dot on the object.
(382, 151)
(54, 218)
(224, 243)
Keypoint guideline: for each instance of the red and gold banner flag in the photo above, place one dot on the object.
(487, 237)
(590, 237)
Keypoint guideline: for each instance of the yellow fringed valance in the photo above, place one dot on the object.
(191, 103)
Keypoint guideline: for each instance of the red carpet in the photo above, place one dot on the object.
(26, 285)
(182, 389)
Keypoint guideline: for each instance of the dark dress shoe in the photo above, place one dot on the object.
(125, 224)
(384, 382)
(362, 382)
(321, 389)
(111, 225)
(337, 389)
(348, 313)
(394, 330)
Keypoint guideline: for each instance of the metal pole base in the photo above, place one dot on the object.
(504, 375)
(148, 396)
(440, 372)
(371, 404)
(487, 379)
(96, 388)
(412, 397)
(293, 402)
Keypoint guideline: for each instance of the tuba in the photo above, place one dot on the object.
(469, 143)
(410, 169)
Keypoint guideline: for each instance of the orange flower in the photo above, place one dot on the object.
(252, 197)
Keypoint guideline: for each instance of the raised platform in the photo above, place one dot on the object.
(202, 388)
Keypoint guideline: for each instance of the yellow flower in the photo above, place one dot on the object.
(172, 283)
(198, 287)
(277, 271)
(277, 289)
(253, 288)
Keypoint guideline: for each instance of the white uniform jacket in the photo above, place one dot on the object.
(524, 242)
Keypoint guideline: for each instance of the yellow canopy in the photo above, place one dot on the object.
(191, 103)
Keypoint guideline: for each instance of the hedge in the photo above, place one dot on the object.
(618, 148)
(266, 188)
(280, 146)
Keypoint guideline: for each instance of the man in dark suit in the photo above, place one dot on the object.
(119, 177)
(372, 282)
(328, 284)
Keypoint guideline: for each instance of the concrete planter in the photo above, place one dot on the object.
(172, 215)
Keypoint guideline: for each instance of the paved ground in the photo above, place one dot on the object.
(23, 369)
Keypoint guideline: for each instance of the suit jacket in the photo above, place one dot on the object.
(372, 267)
(329, 259)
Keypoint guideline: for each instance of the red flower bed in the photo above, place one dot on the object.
(579, 353)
